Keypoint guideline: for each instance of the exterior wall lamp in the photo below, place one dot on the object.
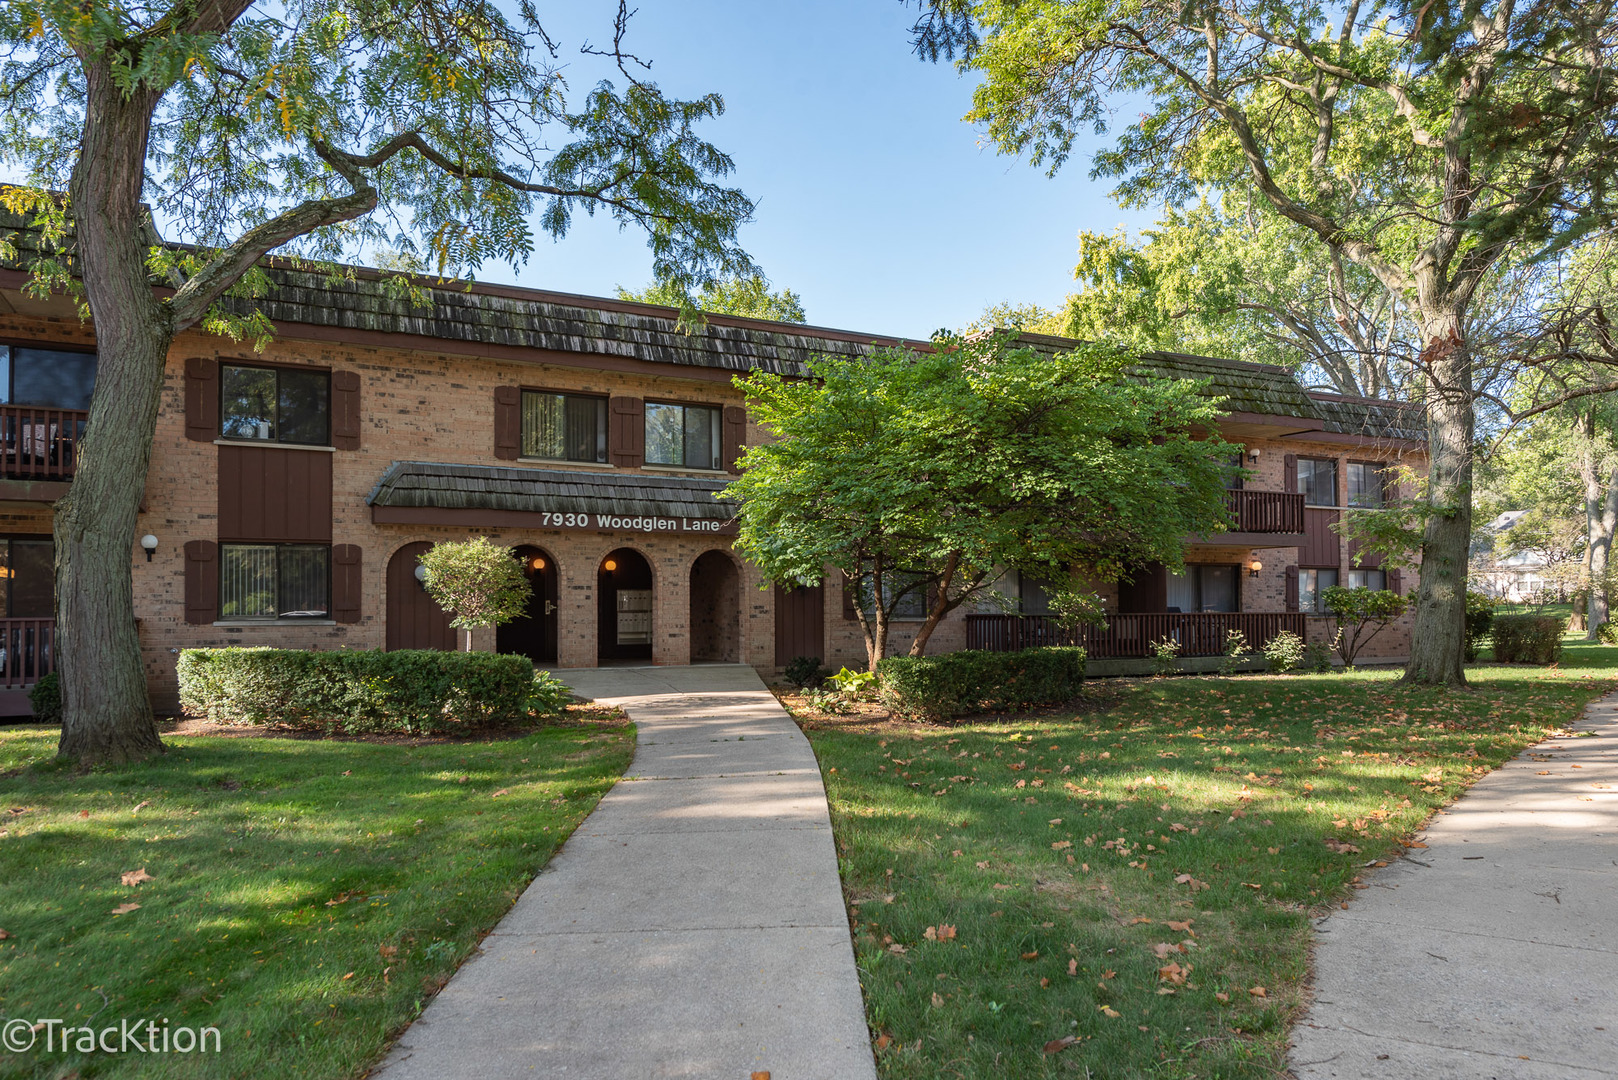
(421, 576)
(1252, 455)
(148, 544)
(1254, 567)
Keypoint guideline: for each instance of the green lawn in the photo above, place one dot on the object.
(1140, 876)
(305, 898)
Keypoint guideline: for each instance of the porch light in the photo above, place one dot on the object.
(538, 563)
(1252, 455)
(610, 565)
(1254, 567)
(148, 544)
(421, 574)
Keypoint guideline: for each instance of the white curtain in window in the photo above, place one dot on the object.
(1182, 591)
(246, 581)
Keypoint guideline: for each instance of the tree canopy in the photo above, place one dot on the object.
(749, 296)
(929, 472)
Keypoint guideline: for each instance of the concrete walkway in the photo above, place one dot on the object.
(693, 926)
(1494, 952)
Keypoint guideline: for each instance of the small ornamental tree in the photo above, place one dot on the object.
(1361, 615)
(478, 583)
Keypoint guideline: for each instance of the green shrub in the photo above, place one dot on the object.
(548, 696)
(1527, 639)
(414, 691)
(1165, 656)
(853, 685)
(46, 698)
(802, 671)
(1283, 652)
(938, 688)
(1317, 657)
(1479, 617)
(1235, 650)
(1607, 633)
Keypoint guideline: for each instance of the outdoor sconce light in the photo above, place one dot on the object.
(421, 576)
(538, 563)
(610, 565)
(148, 544)
(1254, 567)
(1252, 455)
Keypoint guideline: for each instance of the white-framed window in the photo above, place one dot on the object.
(1311, 584)
(564, 427)
(687, 435)
(274, 581)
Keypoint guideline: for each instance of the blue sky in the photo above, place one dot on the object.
(876, 203)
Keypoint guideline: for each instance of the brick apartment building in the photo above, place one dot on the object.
(291, 490)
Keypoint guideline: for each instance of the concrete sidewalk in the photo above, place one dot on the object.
(1494, 951)
(693, 926)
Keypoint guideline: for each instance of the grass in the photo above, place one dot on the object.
(1138, 878)
(306, 896)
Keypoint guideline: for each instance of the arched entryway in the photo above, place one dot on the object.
(414, 621)
(624, 585)
(715, 609)
(533, 634)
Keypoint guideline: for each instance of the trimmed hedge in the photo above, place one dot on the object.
(411, 691)
(45, 697)
(1527, 639)
(938, 688)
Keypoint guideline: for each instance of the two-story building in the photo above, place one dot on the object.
(291, 490)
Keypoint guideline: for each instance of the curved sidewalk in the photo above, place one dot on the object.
(693, 926)
(1492, 953)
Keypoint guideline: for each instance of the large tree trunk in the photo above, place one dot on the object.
(106, 714)
(1438, 639)
(1602, 521)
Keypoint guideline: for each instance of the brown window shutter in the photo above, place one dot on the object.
(1292, 588)
(1396, 582)
(345, 583)
(1390, 483)
(626, 432)
(507, 422)
(735, 436)
(202, 399)
(201, 581)
(848, 599)
(345, 410)
(1289, 474)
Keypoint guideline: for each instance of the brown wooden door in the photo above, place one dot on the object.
(800, 623)
(414, 621)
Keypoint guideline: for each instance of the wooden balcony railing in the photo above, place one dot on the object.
(1265, 511)
(27, 651)
(1126, 636)
(38, 443)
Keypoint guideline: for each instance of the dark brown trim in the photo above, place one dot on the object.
(478, 518)
(1300, 423)
(35, 343)
(1339, 438)
(1244, 539)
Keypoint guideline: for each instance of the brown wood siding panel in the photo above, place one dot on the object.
(201, 399)
(626, 432)
(507, 422)
(273, 495)
(1147, 592)
(1289, 473)
(1292, 589)
(1321, 547)
(201, 581)
(345, 410)
(346, 583)
(414, 621)
(1370, 560)
(735, 436)
(800, 623)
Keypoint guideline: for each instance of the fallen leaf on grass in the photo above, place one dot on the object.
(499, 793)
(1258, 992)
(938, 1000)
(347, 977)
(1164, 950)
(125, 909)
(1187, 879)
(1110, 1013)
(883, 1040)
(1181, 927)
(1173, 973)
(1341, 848)
(1072, 967)
(1056, 1046)
(135, 877)
(1222, 996)
(387, 952)
(897, 949)
(1061, 845)
(141, 806)
(84, 813)
(1031, 955)
(4, 934)
(946, 932)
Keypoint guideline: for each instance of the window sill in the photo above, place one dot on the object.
(240, 623)
(688, 471)
(598, 465)
(276, 445)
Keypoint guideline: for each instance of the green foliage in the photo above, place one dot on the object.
(852, 684)
(1361, 615)
(414, 691)
(1235, 648)
(748, 296)
(1165, 656)
(1527, 639)
(1074, 605)
(951, 465)
(1283, 652)
(1021, 317)
(45, 698)
(939, 688)
(802, 671)
(1607, 633)
(1317, 657)
(1479, 617)
(479, 583)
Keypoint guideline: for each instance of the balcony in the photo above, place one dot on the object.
(1265, 511)
(27, 651)
(1131, 636)
(38, 451)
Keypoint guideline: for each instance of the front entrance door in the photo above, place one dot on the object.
(800, 623)
(624, 585)
(533, 634)
(414, 621)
